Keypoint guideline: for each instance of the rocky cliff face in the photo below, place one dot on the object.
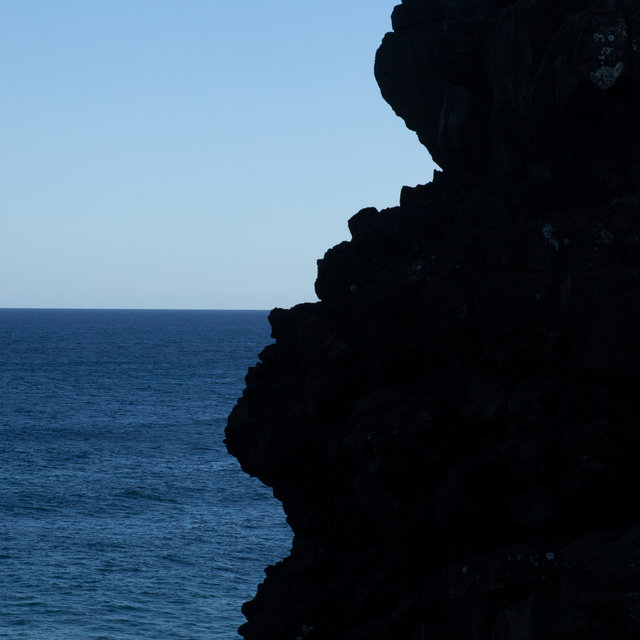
(454, 429)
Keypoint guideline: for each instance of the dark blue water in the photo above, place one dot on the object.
(121, 514)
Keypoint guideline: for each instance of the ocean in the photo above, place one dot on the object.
(121, 514)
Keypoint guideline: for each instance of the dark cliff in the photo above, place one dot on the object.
(453, 429)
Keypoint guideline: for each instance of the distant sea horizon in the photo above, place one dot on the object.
(122, 516)
(123, 309)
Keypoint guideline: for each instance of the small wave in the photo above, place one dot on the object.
(222, 465)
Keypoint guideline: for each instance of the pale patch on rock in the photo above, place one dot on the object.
(547, 232)
(605, 77)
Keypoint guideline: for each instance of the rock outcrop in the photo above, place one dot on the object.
(454, 429)
(509, 91)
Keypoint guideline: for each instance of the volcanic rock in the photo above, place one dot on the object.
(453, 429)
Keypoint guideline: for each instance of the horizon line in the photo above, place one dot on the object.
(125, 309)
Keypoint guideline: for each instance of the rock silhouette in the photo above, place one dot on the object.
(454, 429)
(540, 92)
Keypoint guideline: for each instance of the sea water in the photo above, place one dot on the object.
(121, 514)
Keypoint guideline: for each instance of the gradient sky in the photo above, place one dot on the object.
(189, 153)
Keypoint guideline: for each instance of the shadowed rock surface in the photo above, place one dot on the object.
(453, 430)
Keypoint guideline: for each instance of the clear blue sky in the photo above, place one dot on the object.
(189, 153)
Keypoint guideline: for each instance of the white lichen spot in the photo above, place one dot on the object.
(465, 569)
(605, 77)
(604, 236)
(551, 556)
(547, 232)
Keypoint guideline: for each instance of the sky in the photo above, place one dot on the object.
(189, 154)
